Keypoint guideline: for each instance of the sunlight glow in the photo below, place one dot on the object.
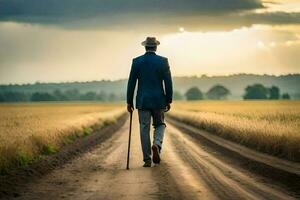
(181, 29)
(231, 51)
(281, 5)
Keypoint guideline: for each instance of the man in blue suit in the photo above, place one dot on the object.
(154, 97)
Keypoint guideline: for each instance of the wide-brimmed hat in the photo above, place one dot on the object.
(150, 42)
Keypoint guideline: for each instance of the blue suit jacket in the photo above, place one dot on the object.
(151, 71)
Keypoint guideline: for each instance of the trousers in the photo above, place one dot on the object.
(159, 130)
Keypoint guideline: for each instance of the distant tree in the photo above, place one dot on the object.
(89, 96)
(217, 92)
(274, 93)
(112, 97)
(194, 94)
(59, 96)
(1, 98)
(11, 96)
(42, 96)
(102, 96)
(72, 94)
(285, 96)
(256, 91)
(177, 95)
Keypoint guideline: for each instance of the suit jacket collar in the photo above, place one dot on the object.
(150, 52)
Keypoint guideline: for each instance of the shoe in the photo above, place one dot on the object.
(147, 164)
(155, 156)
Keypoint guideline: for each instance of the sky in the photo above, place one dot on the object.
(75, 40)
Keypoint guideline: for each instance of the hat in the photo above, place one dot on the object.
(150, 42)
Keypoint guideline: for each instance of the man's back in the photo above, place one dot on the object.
(151, 71)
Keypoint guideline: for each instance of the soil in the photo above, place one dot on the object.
(14, 181)
(189, 169)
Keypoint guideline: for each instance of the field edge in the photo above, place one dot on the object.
(11, 183)
(288, 178)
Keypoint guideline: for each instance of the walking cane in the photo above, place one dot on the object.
(129, 140)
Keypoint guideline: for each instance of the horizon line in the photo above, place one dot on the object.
(121, 79)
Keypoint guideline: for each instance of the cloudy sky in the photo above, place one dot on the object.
(75, 40)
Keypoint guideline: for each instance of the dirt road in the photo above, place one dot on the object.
(188, 171)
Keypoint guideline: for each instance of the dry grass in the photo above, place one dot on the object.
(26, 130)
(269, 126)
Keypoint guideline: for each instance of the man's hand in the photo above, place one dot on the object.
(130, 108)
(168, 107)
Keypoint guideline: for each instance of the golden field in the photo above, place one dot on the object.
(28, 129)
(268, 126)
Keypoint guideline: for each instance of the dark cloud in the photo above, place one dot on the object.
(56, 11)
(273, 18)
(195, 15)
(231, 21)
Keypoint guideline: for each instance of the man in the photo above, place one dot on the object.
(153, 98)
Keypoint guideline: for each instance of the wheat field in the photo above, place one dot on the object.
(26, 129)
(272, 127)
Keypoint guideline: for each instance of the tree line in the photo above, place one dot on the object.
(58, 95)
(219, 92)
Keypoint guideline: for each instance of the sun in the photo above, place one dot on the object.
(181, 29)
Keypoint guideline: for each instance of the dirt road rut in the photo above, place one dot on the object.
(187, 171)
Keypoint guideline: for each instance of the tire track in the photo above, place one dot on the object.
(101, 174)
(188, 171)
(224, 181)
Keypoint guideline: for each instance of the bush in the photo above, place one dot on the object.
(194, 94)
(48, 149)
(256, 91)
(87, 131)
(23, 159)
(42, 96)
(286, 96)
(217, 92)
(274, 92)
